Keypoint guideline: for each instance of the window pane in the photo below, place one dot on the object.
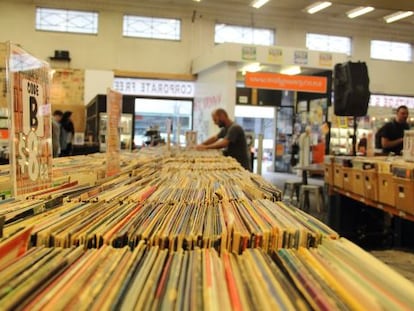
(327, 43)
(150, 27)
(66, 21)
(244, 35)
(389, 50)
(154, 113)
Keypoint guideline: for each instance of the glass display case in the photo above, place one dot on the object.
(125, 131)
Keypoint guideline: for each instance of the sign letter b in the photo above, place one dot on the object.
(33, 112)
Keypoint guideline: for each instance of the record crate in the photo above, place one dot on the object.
(339, 164)
(404, 194)
(329, 170)
(338, 176)
(348, 174)
(366, 176)
(386, 191)
(370, 178)
(358, 182)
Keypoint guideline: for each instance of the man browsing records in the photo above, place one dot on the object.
(231, 139)
(392, 133)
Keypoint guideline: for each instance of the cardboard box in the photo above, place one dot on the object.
(386, 191)
(338, 176)
(370, 184)
(358, 182)
(348, 174)
(404, 194)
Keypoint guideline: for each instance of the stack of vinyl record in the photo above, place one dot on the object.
(335, 276)
(181, 231)
(172, 203)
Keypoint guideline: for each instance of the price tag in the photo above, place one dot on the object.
(31, 151)
(28, 157)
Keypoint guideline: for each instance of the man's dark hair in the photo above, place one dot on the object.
(58, 113)
(221, 111)
(402, 107)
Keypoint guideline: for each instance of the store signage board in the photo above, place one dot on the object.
(390, 101)
(148, 87)
(30, 139)
(113, 143)
(275, 81)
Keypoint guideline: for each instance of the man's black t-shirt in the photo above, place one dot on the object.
(394, 130)
(237, 147)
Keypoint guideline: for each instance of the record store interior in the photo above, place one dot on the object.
(206, 155)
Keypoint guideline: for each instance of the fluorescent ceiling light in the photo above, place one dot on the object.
(258, 3)
(252, 67)
(397, 16)
(291, 70)
(318, 6)
(359, 11)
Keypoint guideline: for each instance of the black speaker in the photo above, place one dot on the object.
(61, 55)
(351, 89)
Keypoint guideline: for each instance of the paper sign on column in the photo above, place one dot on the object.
(113, 144)
(30, 139)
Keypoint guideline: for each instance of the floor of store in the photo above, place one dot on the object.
(401, 261)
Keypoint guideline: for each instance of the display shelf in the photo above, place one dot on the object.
(125, 131)
(96, 107)
(341, 139)
(384, 207)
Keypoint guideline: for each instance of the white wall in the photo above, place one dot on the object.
(106, 51)
(97, 82)
(109, 50)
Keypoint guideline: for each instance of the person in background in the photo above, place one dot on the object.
(57, 117)
(392, 133)
(67, 131)
(304, 148)
(231, 138)
(362, 144)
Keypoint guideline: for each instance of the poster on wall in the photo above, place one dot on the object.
(249, 53)
(203, 107)
(113, 144)
(30, 139)
(275, 56)
(316, 111)
(325, 59)
(301, 58)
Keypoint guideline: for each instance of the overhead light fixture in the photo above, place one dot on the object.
(258, 3)
(397, 16)
(318, 6)
(252, 67)
(291, 70)
(359, 11)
